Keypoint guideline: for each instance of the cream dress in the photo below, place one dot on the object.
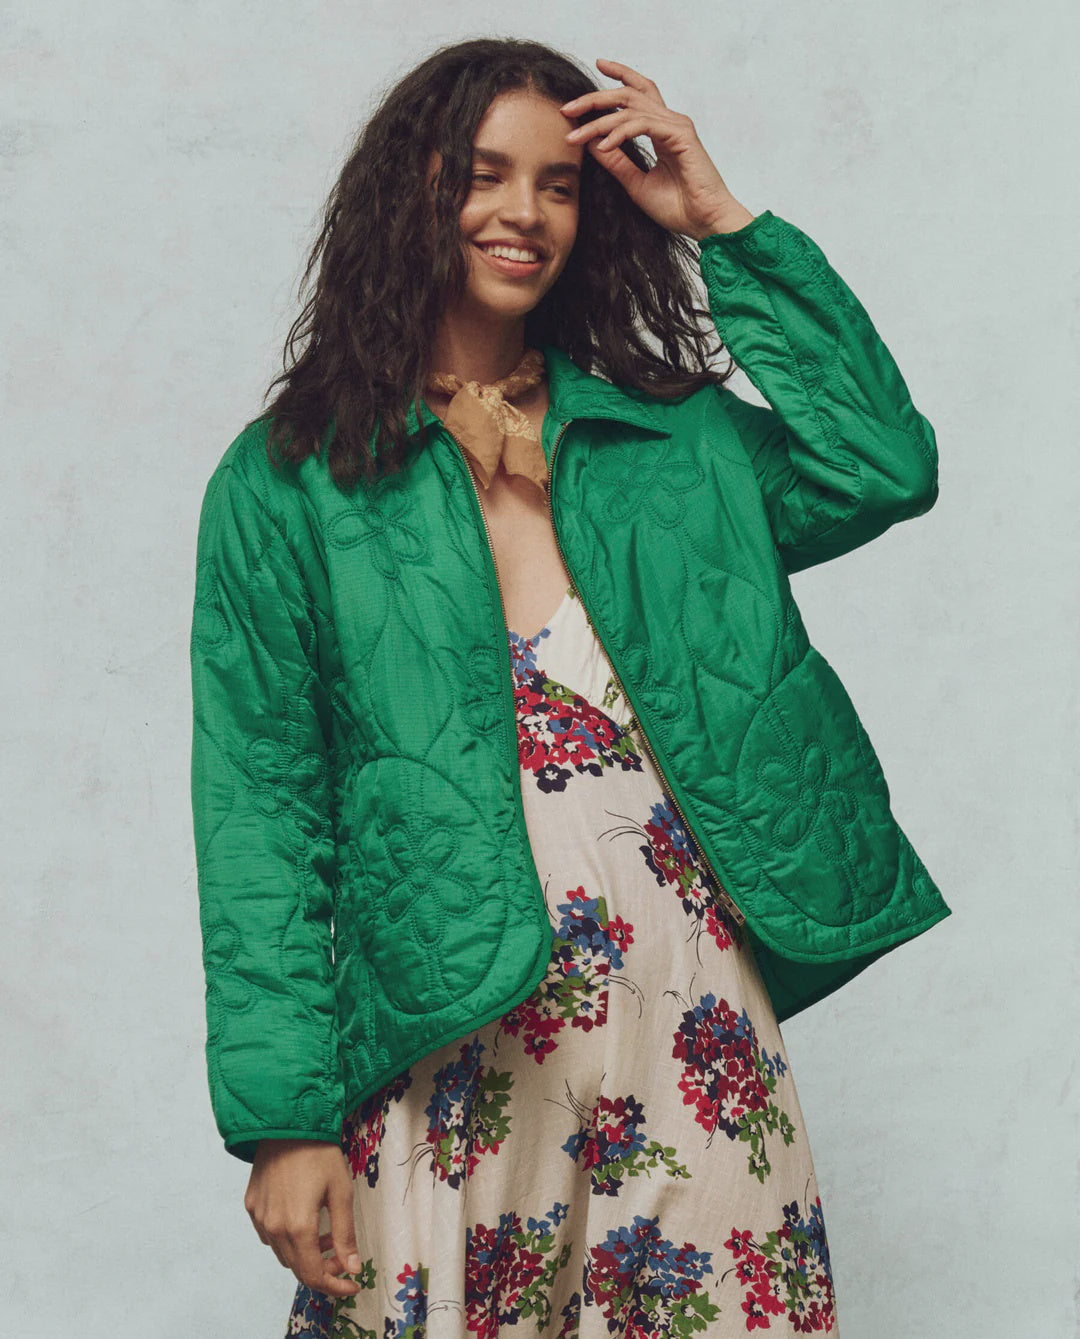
(623, 1153)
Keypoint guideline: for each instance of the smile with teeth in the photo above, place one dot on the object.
(516, 254)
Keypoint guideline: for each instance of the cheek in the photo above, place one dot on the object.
(568, 236)
(471, 216)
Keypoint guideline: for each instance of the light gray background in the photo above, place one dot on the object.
(163, 166)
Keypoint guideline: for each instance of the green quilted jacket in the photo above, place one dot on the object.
(367, 890)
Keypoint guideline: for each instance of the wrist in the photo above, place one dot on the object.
(730, 219)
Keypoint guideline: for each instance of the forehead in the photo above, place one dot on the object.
(520, 123)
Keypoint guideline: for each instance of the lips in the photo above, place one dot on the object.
(517, 246)
(514, 269)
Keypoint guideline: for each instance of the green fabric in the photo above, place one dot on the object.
(367, 890)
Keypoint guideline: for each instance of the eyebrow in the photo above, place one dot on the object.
(500, 159)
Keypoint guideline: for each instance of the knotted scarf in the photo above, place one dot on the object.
(489, 427)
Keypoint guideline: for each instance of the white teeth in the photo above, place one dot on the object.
(511, 253)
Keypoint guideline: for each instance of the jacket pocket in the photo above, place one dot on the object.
(831, 869)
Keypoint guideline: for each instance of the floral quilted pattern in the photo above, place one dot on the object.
(654, 476)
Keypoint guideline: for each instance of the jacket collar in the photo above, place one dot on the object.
(574, 393)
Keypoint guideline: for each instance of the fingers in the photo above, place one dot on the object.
(630, 125)
(299, 1248)
(289, 1187)
(342, 1223)
(627, 73)
(260, 1231)
(633, 81)
(603, 125)
(603, 97)
(306, 1262)
(626, 122)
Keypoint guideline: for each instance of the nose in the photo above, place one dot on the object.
(521, 207)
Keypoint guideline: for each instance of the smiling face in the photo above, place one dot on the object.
(524, 192)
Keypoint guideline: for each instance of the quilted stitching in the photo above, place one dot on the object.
(367, 892)
(852, 455)
(261, 817)
(645, 475)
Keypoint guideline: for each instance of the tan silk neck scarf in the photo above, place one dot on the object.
(489, 427)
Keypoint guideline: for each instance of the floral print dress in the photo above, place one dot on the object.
(622, 1153)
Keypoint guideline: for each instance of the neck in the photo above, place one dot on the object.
(478, 351)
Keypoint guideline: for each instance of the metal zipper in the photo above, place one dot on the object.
(725, 897)
(509, 675)
(508, 691)
(483, 518)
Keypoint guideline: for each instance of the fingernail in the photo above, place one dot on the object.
(354, 1263)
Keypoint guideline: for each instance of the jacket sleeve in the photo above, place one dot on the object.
(842, 453)
(263, 833)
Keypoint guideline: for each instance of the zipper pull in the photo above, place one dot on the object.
(727, 901)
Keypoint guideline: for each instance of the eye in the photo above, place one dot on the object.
(566, 191)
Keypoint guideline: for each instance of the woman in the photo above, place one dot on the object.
(524, 809)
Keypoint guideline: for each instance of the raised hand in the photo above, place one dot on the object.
(683, 191)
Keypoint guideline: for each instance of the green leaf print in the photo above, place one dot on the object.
(342, 1326)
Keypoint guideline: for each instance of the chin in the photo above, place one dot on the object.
(510, 306)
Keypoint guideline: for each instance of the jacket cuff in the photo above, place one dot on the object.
(243, 1143)
(715, 239)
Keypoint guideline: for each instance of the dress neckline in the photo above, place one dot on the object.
(546, 629)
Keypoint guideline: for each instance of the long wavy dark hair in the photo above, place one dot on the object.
(384, 271)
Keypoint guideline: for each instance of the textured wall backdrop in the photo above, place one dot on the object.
(163, 166)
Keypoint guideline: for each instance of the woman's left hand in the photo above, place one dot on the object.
(682, 191)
